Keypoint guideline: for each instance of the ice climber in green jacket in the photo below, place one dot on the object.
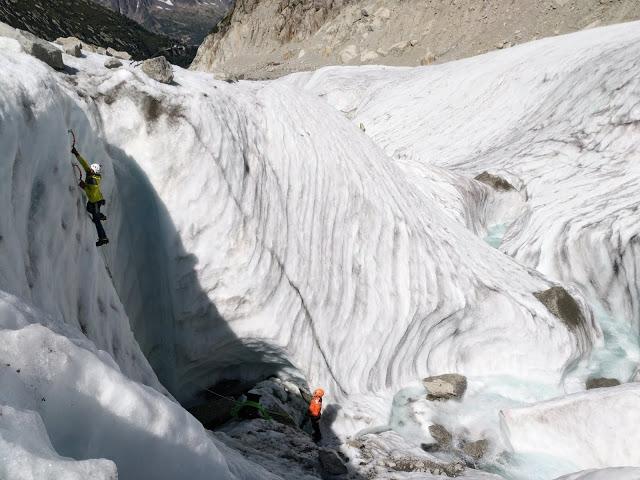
(91, 187)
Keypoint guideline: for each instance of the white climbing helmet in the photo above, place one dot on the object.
(95, 168)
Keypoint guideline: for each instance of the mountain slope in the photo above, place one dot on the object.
(189, 20)
(93, 24)
(270, 38)
(256, 229)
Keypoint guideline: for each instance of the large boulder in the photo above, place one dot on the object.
(494, 181)
(562, 305)
(441, 435)
(159, 69)
(71, 45)
(34, 46)
(73, 50)
(112, 63)
(476, 450)
(115, 53)
(602, 383)
(444, 387)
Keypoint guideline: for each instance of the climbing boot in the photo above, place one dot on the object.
(102, 241)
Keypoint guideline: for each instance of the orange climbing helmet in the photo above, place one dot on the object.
(318, 392)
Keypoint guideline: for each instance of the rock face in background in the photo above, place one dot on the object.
(92, 24)
(188, 20)
(270, 38)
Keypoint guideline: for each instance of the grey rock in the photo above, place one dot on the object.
(71, 45)
(430, 447)
(562, 305)
(476, 450)
(414, 464)
(602, 382)
(112, 63)
(73, 50)
(34, 46)
(331, 463)
(159, 69)
(115, 53)
(444, 387)
(441, 435)
(494, 181)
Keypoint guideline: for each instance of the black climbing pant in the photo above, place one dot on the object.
(94, 211)
(315, 423)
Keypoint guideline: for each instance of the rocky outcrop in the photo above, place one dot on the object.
(562, 305)
(117, 54)
(494, 181)
(441, 435)
(445, 387)
(187, 19)
(92, 24)
(112, 63)
(331, 463)
(255, 27)
(414, 464)
(476, 450)
(71, 45)
(159, 69)
(601, 383)
(269, 38)
(34, 46)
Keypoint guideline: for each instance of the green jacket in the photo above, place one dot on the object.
(235, 411)
(91, 184)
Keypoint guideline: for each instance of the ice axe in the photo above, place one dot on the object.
(77, 173)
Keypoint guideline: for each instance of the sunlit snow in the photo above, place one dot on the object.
(256, 229)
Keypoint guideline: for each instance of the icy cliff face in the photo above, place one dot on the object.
(253, 229)
(558, 115)
(556, 118)
(64, 400)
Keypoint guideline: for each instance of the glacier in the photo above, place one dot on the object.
(256, 230)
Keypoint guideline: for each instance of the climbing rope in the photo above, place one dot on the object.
(237, 402)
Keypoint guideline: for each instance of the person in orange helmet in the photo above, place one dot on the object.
(315, 412)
